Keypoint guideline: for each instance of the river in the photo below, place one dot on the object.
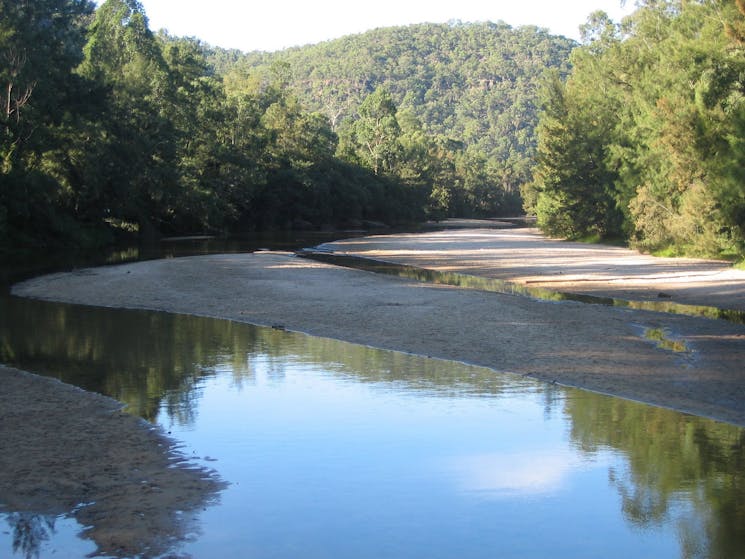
(338, 450)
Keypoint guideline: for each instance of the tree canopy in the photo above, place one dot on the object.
(110, 129)
(644, 139)
(470, 88)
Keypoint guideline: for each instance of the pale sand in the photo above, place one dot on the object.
(590, 346)
(525, 256)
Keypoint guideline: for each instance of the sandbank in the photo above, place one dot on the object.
(599, 348)
(71, 452)
(527, 257)
(53, 434)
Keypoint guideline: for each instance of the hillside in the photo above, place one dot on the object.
(113, 131)
(473, 84)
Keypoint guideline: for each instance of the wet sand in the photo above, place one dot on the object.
(599, 348)
(66, 451)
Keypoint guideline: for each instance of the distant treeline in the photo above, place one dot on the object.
(645, 141)
(110, 129)
(465, 94)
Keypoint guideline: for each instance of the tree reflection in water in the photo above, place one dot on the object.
(30, 531)
(156, 362)
(671, 458)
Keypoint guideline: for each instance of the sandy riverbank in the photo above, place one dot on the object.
(62, 431)
(67, 451)
(526, 257)
(589, 346)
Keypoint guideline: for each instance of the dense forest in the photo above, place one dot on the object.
(465, 98)
(645, 141)
(110, 129)
(637, 134)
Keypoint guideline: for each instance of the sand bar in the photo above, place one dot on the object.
(595, 347)
(70, 452)
(65, 449)
(526, 257)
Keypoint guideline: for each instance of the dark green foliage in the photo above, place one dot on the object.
(645, 137)
(40, 101)
(575, 187)
(467, 85)
(109, 129)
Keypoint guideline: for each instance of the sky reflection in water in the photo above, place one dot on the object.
(338, 450)
(326, 466)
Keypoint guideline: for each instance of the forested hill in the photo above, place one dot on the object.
(470, 85)
(108, 128)
(474, 83)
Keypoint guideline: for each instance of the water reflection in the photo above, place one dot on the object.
(30, 531)
(514, 473)
(671, 458)
(316, 433)
(152, 360)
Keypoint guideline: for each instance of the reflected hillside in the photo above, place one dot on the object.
(153, 360)
(671, 458)
(141, 358)
(676, 468)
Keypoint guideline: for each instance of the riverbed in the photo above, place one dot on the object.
(409, 452)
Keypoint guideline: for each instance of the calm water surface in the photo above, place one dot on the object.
(337, 450)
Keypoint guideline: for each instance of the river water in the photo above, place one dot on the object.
(339, 450)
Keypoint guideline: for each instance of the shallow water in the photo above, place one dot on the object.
(338, 450)
(482, 283)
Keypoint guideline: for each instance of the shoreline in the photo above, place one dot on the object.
(62, 433)
(524, 256)
(603, 349)
(68, 452)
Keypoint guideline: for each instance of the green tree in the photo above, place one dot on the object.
(474, 84)
(573, 184)
(135, 150)
(375, 135)
(643, 138)
(720, 100)
(217, 142)
(40, 100)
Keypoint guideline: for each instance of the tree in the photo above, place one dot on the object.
(40, 98)
(107, 128)
(644, 137)
(574, 186)
(136, 149)
(40, 44)
(375, 135)
(474, 84)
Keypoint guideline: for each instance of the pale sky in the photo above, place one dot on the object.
(277, 24)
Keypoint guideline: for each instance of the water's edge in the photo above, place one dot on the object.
(481, 283)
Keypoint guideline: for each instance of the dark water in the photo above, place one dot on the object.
(338, 450)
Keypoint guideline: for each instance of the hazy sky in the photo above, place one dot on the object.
(276, 24)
